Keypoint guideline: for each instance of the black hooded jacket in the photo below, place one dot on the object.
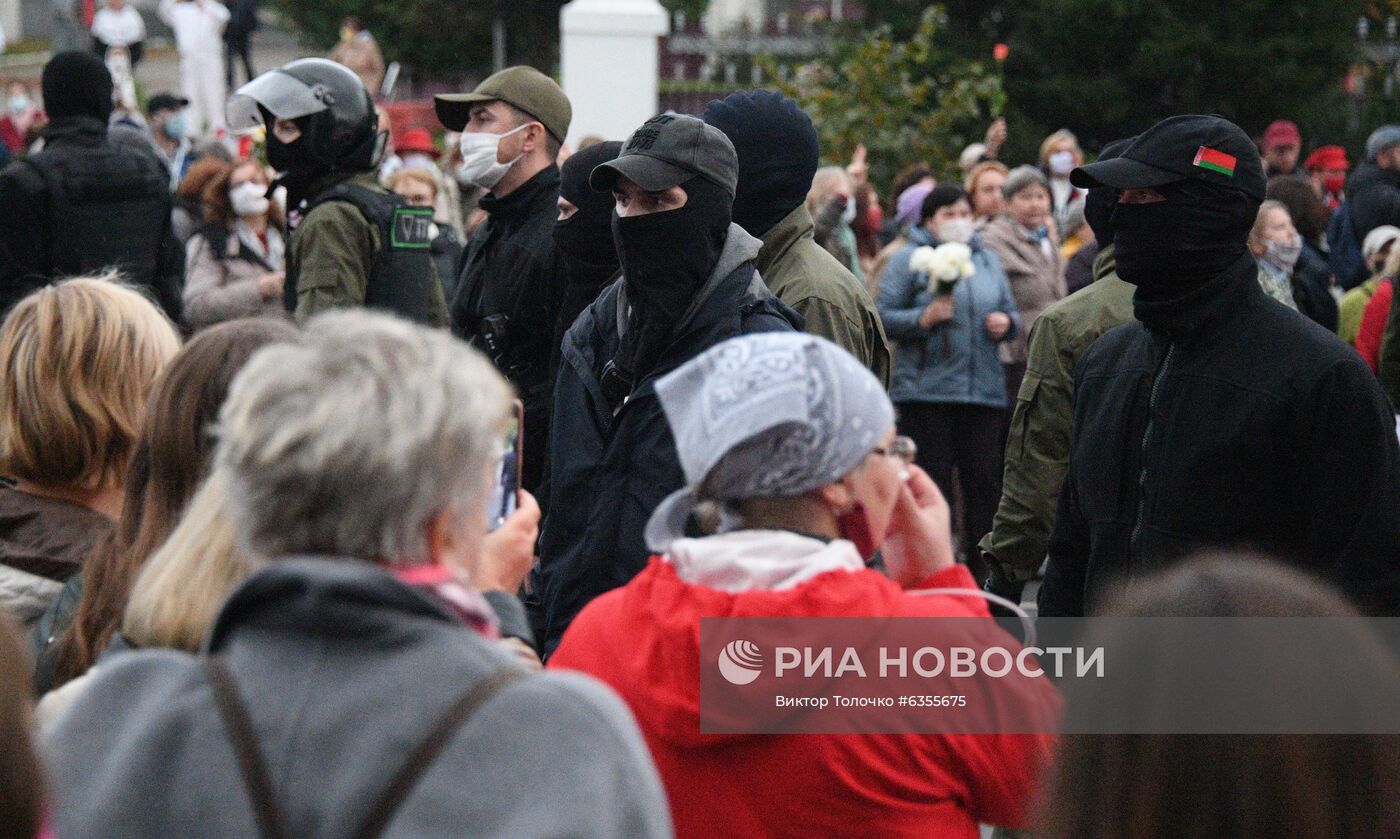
(1231, 422)
(84, 204)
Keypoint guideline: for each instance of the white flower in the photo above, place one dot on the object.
(945, 265)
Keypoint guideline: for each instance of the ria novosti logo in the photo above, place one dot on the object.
(740, 662)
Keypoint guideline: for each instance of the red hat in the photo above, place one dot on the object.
(1281, 132)
(417, 140)
(1327, 157)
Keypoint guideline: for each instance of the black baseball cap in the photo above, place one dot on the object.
(1189, 147)
(668, 150)
(166, 102)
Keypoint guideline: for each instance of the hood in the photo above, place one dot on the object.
(1368, 173)
(776, 144)
(768, 574)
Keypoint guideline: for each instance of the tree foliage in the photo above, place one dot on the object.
(446, 40)
(1110, 68)
(904, 100)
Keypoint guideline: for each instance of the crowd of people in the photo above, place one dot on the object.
(254, 395)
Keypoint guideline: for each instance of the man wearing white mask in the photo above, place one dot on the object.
(512, 279)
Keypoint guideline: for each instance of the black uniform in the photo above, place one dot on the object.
(509, 291)
(1232, 422)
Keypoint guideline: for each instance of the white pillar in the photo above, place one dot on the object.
(608, 56)
(11, 19)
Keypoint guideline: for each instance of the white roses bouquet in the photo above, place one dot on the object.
(945, 265)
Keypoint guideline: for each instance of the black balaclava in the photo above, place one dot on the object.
(777, 148)
(1098, 204)
(295, 166)
(585, 239)
(77, 84)
(666, 259)
(1172, 248)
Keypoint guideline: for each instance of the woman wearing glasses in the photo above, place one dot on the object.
(789, 451)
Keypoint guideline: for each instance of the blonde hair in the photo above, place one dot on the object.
(412, 173)
(1056, 138)
(970, 182)
(77, 362)
(177, 595)
(1256, 233)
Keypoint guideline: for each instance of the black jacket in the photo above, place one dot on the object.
(1373, 198)
(510, 268)
(111, 209)
(1312, 288)
(609, 472)
(1233, 423)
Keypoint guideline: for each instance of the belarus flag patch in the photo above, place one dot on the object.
(1216, 161)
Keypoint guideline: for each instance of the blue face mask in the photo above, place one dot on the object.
(175, 127)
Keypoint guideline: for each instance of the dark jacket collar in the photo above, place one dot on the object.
(84, 130)
(1202, 310)
(319, 595)
(526, 199)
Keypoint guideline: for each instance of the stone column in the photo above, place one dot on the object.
(608, 56)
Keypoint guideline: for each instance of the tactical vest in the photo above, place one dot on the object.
(109, 208)
(401, 277)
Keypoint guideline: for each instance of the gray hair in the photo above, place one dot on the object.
(1020, 178)
(349, 445)
(1383, 138)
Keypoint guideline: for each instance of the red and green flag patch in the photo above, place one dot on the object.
(1216, 161)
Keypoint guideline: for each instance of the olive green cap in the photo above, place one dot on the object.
(524, 87)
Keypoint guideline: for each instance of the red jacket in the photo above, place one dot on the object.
(1368, 337)
(644, 641)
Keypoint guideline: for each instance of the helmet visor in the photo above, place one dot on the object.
(283, 95)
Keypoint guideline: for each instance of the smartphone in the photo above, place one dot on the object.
(505, 493)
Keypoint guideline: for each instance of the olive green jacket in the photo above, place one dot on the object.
(332, 252)
(1037, 449)
(831, 301)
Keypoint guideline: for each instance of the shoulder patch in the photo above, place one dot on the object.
(412, 228)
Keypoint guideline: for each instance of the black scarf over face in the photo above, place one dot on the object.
(1173, 247)
(585, 239)
(666, 259)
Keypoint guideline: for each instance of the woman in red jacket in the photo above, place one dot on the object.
(788, 442)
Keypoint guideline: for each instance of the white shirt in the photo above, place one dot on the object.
(118, 29)
(198, 25)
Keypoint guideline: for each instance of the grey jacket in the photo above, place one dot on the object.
(343, 670)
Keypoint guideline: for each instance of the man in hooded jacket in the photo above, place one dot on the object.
(1218, 418)
(583, 233)
(777, 148)
(688, 282)
(85, 204)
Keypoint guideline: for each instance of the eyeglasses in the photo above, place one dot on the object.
(900, 448)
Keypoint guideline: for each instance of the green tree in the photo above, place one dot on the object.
(445, 40)
(1111, 68)
(905, 100)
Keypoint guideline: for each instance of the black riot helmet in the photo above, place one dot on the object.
(340, 129)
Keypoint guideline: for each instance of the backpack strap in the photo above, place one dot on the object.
(271, 824)
(427, 751)
(239, 728)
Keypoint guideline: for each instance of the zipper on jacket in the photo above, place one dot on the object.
(1146, 440)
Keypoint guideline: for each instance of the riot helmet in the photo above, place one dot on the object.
(328, 102)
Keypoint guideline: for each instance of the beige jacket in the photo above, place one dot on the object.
(1037, 279)
(220, 287)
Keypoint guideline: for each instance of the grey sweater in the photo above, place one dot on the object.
(343, 670)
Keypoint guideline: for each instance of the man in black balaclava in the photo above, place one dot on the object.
(1219, 419)
(688, 283)
(583, 232)
(84, 203)
(777, 149)
(1037, 449)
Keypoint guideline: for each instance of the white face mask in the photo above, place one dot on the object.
(848, 215)
(956, 230)
(1062, 162)
(249, 199)
(479, 162)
